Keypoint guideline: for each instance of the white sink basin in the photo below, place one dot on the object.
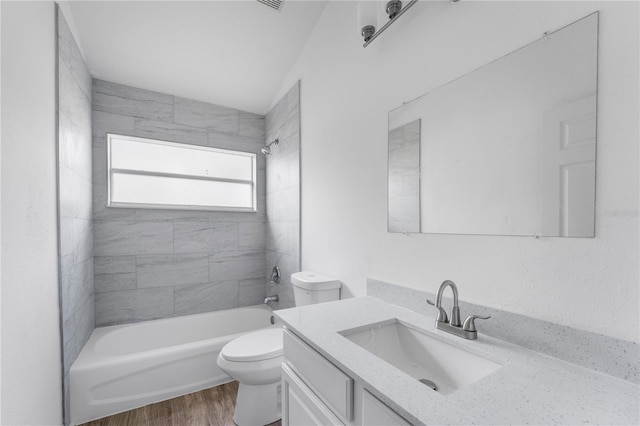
(422, 356)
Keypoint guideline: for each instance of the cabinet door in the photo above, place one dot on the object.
(327, 381)
(300, 405)
(375, 413)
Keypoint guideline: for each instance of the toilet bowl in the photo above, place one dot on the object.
(254, 359)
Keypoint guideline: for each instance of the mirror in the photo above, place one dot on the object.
(508, 149)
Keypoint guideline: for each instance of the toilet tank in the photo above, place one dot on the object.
(310, 288)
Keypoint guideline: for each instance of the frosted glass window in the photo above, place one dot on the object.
(157, 174)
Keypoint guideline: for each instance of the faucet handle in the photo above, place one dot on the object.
(470, 325)
(442, 314)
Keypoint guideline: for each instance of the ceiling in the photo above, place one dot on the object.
(234, 53)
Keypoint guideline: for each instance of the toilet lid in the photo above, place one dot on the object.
(255, 346)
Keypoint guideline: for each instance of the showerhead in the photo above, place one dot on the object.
(266, 150)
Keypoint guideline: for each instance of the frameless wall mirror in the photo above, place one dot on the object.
(508, 149)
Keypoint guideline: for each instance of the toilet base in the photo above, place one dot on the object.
(258, 404)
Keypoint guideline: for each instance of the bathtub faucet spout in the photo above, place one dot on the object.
(274, 298)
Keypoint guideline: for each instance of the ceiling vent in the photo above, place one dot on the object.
(273, 4)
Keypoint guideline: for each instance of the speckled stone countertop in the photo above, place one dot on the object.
(529, 388)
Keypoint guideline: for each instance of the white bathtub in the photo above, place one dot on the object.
(128, 366)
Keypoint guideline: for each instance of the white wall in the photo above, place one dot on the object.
(346, 92)
(31, 384)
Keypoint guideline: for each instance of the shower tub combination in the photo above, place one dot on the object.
(128, 366)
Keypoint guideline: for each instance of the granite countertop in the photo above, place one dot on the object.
(529, 388)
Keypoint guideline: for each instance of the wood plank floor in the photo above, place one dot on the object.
(210, 407)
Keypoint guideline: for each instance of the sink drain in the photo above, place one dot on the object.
(429, 383)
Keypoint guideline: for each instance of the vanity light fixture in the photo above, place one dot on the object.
(367, 17)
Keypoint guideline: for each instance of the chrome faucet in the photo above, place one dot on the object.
(273, 298)
(468, 328)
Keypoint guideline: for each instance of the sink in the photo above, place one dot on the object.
(425, 358)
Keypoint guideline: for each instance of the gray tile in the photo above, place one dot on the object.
(291, 129)
(113, 238)
(288, 264)
(251, 125)
(235, 142)
(294, 238)
(287, 144)
(252, 292)
(74, 146)
(171, 132)
(251, 235)
(126, 100)
(100, 210)
(83, 249)
(189, 237)
(72, 101)
(258, 216)
(114, 264)
(238, 265)
(85, 319)
(196, 298)
(293, 99)
(284, 206)
(103, 123)
(283, 172)
(99, 165)
(115, 282)
(133, 305)
(205, 116)
(276, 117)
(172, 269)
(172, 215)
(77, 286)
(75, 194)
(278, 236)
(70, 351)
(67, 237)
(76, 240)
(70, 54)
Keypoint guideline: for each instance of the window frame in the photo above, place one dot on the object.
(119, 204)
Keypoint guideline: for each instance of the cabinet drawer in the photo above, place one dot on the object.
(330, 384)
(300, 405)
(376, 413)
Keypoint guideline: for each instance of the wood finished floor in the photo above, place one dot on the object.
(210, 407)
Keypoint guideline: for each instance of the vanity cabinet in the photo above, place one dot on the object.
(316, 392)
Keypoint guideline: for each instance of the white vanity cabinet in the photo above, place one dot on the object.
(316, 392)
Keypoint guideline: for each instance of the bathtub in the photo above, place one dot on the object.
(128, 366)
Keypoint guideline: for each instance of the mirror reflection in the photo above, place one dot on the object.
(508, 149)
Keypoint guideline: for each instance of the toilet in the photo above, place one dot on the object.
(254, 359)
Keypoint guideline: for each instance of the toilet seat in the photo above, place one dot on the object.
(256, 346)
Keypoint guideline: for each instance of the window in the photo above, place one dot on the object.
(156, 174)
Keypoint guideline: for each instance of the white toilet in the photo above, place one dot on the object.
(254, 359)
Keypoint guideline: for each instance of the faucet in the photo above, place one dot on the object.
(273, 298)
(468, 328)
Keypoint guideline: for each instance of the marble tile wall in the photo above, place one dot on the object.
(283, 195)
(404, 178)
(152, 263)
(75, 218)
